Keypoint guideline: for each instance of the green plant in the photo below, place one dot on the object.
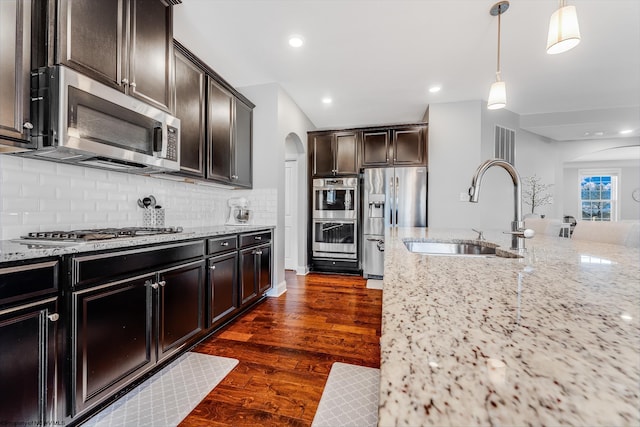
(535, 193)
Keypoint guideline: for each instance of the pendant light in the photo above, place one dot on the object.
(498, 91)
(564, 33)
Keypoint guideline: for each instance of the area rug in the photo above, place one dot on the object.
(170, 395)
(350, 397)
(374, 284)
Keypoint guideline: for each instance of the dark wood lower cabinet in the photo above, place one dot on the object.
(223, 288)
(112, 339)
(255, 272)
(27, 363)
(181, 306)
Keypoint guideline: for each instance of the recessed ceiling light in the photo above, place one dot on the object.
(435, 89)
(295, 41)
(327, 100)
(626, 131)
(599, 133)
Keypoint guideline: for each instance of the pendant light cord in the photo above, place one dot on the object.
(498, 64)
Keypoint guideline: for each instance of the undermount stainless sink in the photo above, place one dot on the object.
(449, 248)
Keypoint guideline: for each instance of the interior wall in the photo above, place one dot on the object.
(454, 154)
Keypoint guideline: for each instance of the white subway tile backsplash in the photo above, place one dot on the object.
(38, 195)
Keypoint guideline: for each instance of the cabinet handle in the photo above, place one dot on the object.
(53, 317)
(125, 81)
(224, 244)
(133, 84)
(213, 267)
(258, 237)
(162, 283)
(27, 125)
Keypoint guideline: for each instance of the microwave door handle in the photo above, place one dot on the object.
(158, 141)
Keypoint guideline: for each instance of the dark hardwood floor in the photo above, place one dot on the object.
(286, 347)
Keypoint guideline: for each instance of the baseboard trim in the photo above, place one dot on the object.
(278, 290)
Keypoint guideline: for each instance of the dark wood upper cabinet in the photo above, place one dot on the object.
(334, 153)
(216, 123)
(15, 44)
(190, 81)
(220, 106)
(126, 44)
(375, 148)
(402, 146)
(409, 146)
(243, 144)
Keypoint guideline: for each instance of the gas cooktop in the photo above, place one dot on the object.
(98, 234)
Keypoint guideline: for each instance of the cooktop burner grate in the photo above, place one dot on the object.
(100, 233)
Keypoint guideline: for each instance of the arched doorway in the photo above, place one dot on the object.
(293, 213)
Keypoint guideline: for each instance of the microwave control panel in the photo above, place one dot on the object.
(172, 143)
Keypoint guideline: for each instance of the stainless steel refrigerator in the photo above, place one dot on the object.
(392, 197)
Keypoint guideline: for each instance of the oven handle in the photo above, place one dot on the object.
(332, 227)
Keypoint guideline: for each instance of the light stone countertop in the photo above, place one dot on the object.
(549, 339)
(11, 250)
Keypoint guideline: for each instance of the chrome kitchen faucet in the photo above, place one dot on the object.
(518, 232)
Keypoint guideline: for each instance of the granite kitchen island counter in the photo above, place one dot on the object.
(549, 339)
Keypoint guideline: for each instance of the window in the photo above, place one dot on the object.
(599, 195)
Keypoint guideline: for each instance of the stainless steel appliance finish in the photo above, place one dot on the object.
(99, 234)
(335, 198)
(82, 121)
(392, 197)
(335, 239)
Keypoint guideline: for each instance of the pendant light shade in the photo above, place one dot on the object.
(564, 33)
(498, 92)
(497, 95)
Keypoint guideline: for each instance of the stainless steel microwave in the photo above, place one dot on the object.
(81, 121)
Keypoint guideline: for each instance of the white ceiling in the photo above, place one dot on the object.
(377, 58)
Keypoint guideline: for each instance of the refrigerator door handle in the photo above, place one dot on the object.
(397, 198)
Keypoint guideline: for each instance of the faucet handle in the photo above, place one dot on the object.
(480, 235)
(527, 233)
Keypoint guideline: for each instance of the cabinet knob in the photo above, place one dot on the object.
(27, 125)
(162, 283)
(257, 253)
(149, 283)
(53, 317)
(258, 237)
(213, 267)
(125, 81)
(133, 84)
(234, 176)
(224, 244)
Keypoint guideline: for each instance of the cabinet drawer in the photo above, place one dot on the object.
(255, 238)
(222, 244)
(95, 268)
(24, 281)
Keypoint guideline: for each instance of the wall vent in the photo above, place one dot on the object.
(505, 144)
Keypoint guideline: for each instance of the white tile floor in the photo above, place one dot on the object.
(167, 397)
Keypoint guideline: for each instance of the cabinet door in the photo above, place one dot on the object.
(219, 138)
(151, 52)
(409, 146)
(346, 154)
(263, 260)
(112, 343)
(242, 144)
(375, 148)
(248, 279)
(27, 364)
(323, 160)
(15, 43)
(190, 109)
(91, 39)
(223, 288)
(180, 306)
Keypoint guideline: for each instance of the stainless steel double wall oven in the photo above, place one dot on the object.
(335, 218)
